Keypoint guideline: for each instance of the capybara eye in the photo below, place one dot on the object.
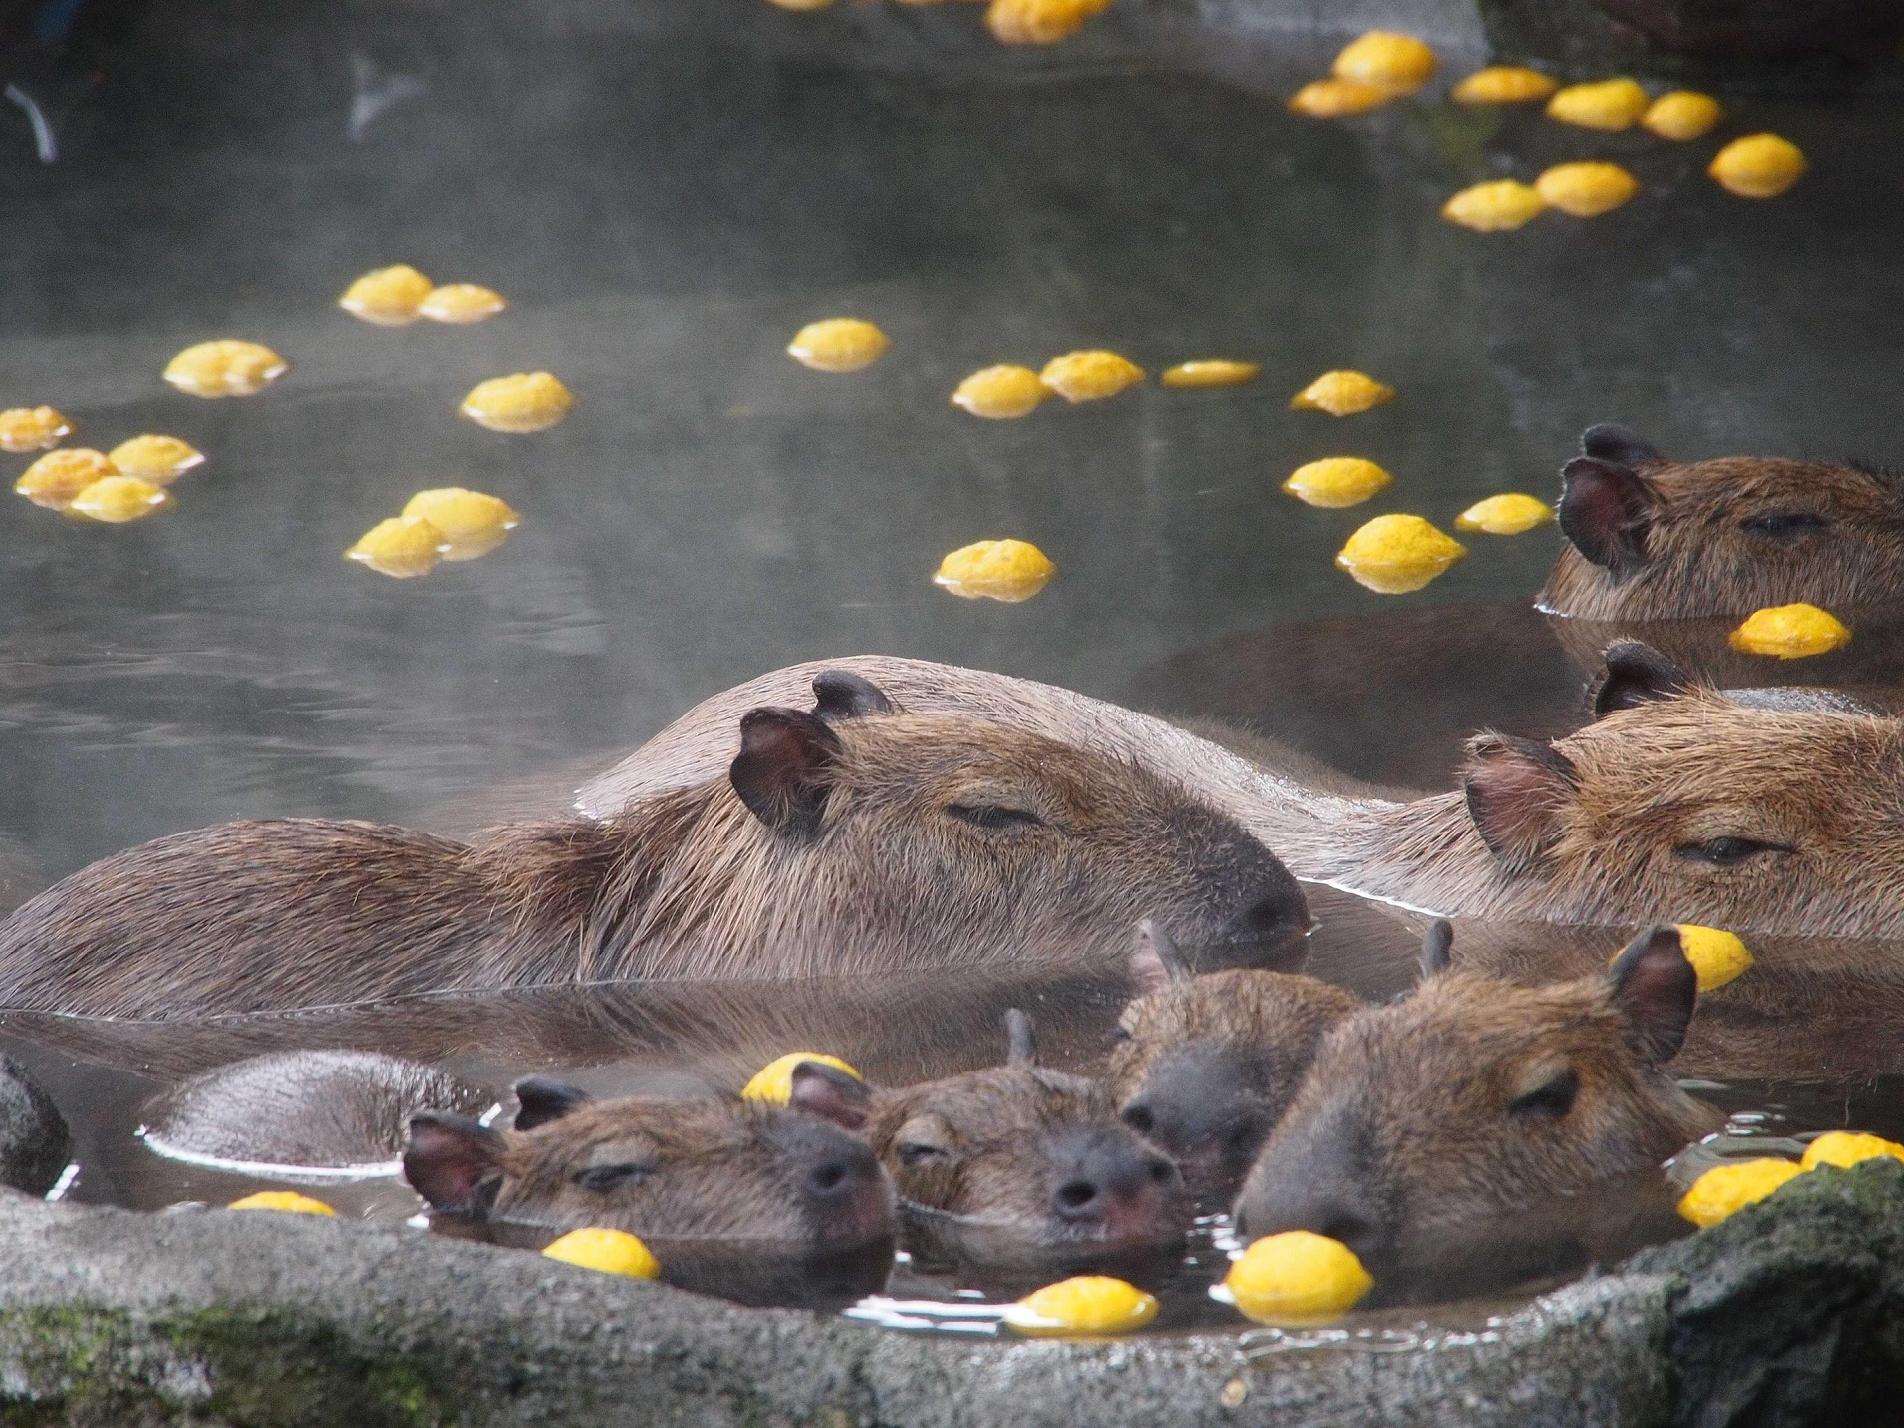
(1784, 525)
(1727, 851)
(914, 1152)
(603, 1178)
(1552, 1099)
(994, 816)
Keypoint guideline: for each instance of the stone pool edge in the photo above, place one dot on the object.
(1792, 1311)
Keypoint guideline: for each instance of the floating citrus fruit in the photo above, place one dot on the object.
(1090, 376)
(1398, 554)
(461, 303)
(58, 476)
(802, 4)
(118, 499)
(1757, 166)
(838, 344)
(521, 402)
(159, 459)
(1039, 22)
(1724, 1190)
(1336, 481)
(1717, 956)
(1007, 570)
(1210, 372)
(1297, 1278)
(388, 297)
(32, 429)
(1586, 189)
(1848, 1148)
(472, 523)
(285, 1201)
(401, 547)
(1088, 1304)
(1342, 394)
(1790, 632)
(1001, 393)
(609, 1251)
(1610, 105)
(227, 367)
(1682, 115)
(773, 1083)
(1503, 84)
(1337, 98)
(1495, 206)
(1398, 64)
(1510, 513)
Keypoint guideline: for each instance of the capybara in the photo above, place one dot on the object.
(324, 1109)
(1472, 1097)
(1634, 673)
(1696, 808)
(1015, 1162)
(844, 840)
(34, 1139)
(1205, 1066)
(696, 1168)
(1649, 538)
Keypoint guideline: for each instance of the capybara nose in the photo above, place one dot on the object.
(1336, 1217)
(1269, 924)
(840, 1174)
(1109, 1171)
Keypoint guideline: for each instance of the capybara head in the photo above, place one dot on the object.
(1697, 809)
(1205, 1066)
(881, 838)
(1030, 1157)
(689, 1169)
(1653, 539)
(1472, 1097)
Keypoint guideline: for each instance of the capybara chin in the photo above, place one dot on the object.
(1472, 1097)
(847, 840)
(1649, 538)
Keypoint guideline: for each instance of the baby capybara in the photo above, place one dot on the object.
(1205, 1066)
(692, 1169)
(1016, 1162)
(1655, 539)
(1473, 1097)
(843, 840)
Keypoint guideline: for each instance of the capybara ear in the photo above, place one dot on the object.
(1436, 945)
(841, 694)
(1155, 961)
(1021, 1047)
(785, 768)
(1606, 510)
(541, 1099)
(1515, 790)
(1654, 988)
(831, 1094)
(451, 1161)
(1621, 445)
(1636, 674)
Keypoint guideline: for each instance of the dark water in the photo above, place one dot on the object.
(664, 197)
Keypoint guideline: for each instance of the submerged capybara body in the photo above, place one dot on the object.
(1474, 1097)
(841, 841)
(1654, 539)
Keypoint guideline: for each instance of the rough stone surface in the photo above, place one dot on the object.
(1792, 1312)
(34, 1142)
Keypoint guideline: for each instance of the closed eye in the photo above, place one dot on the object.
(994, 816)
(914, 1152)
(1550, 1100)
(601, 1179)
(1727, 851)
(1785, 525)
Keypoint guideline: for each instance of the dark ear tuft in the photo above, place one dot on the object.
(541, 1099)
(1609, 441)
(841, 694)
(1515, 791)
(1636, 674)
(1021, 1047)
(1155, 961)
(831, 1094)
(451, 1161)
(785, 768)
(1606, 510)
(1436, 945)
(1654, 988)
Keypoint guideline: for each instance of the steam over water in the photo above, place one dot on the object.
(664, 200)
